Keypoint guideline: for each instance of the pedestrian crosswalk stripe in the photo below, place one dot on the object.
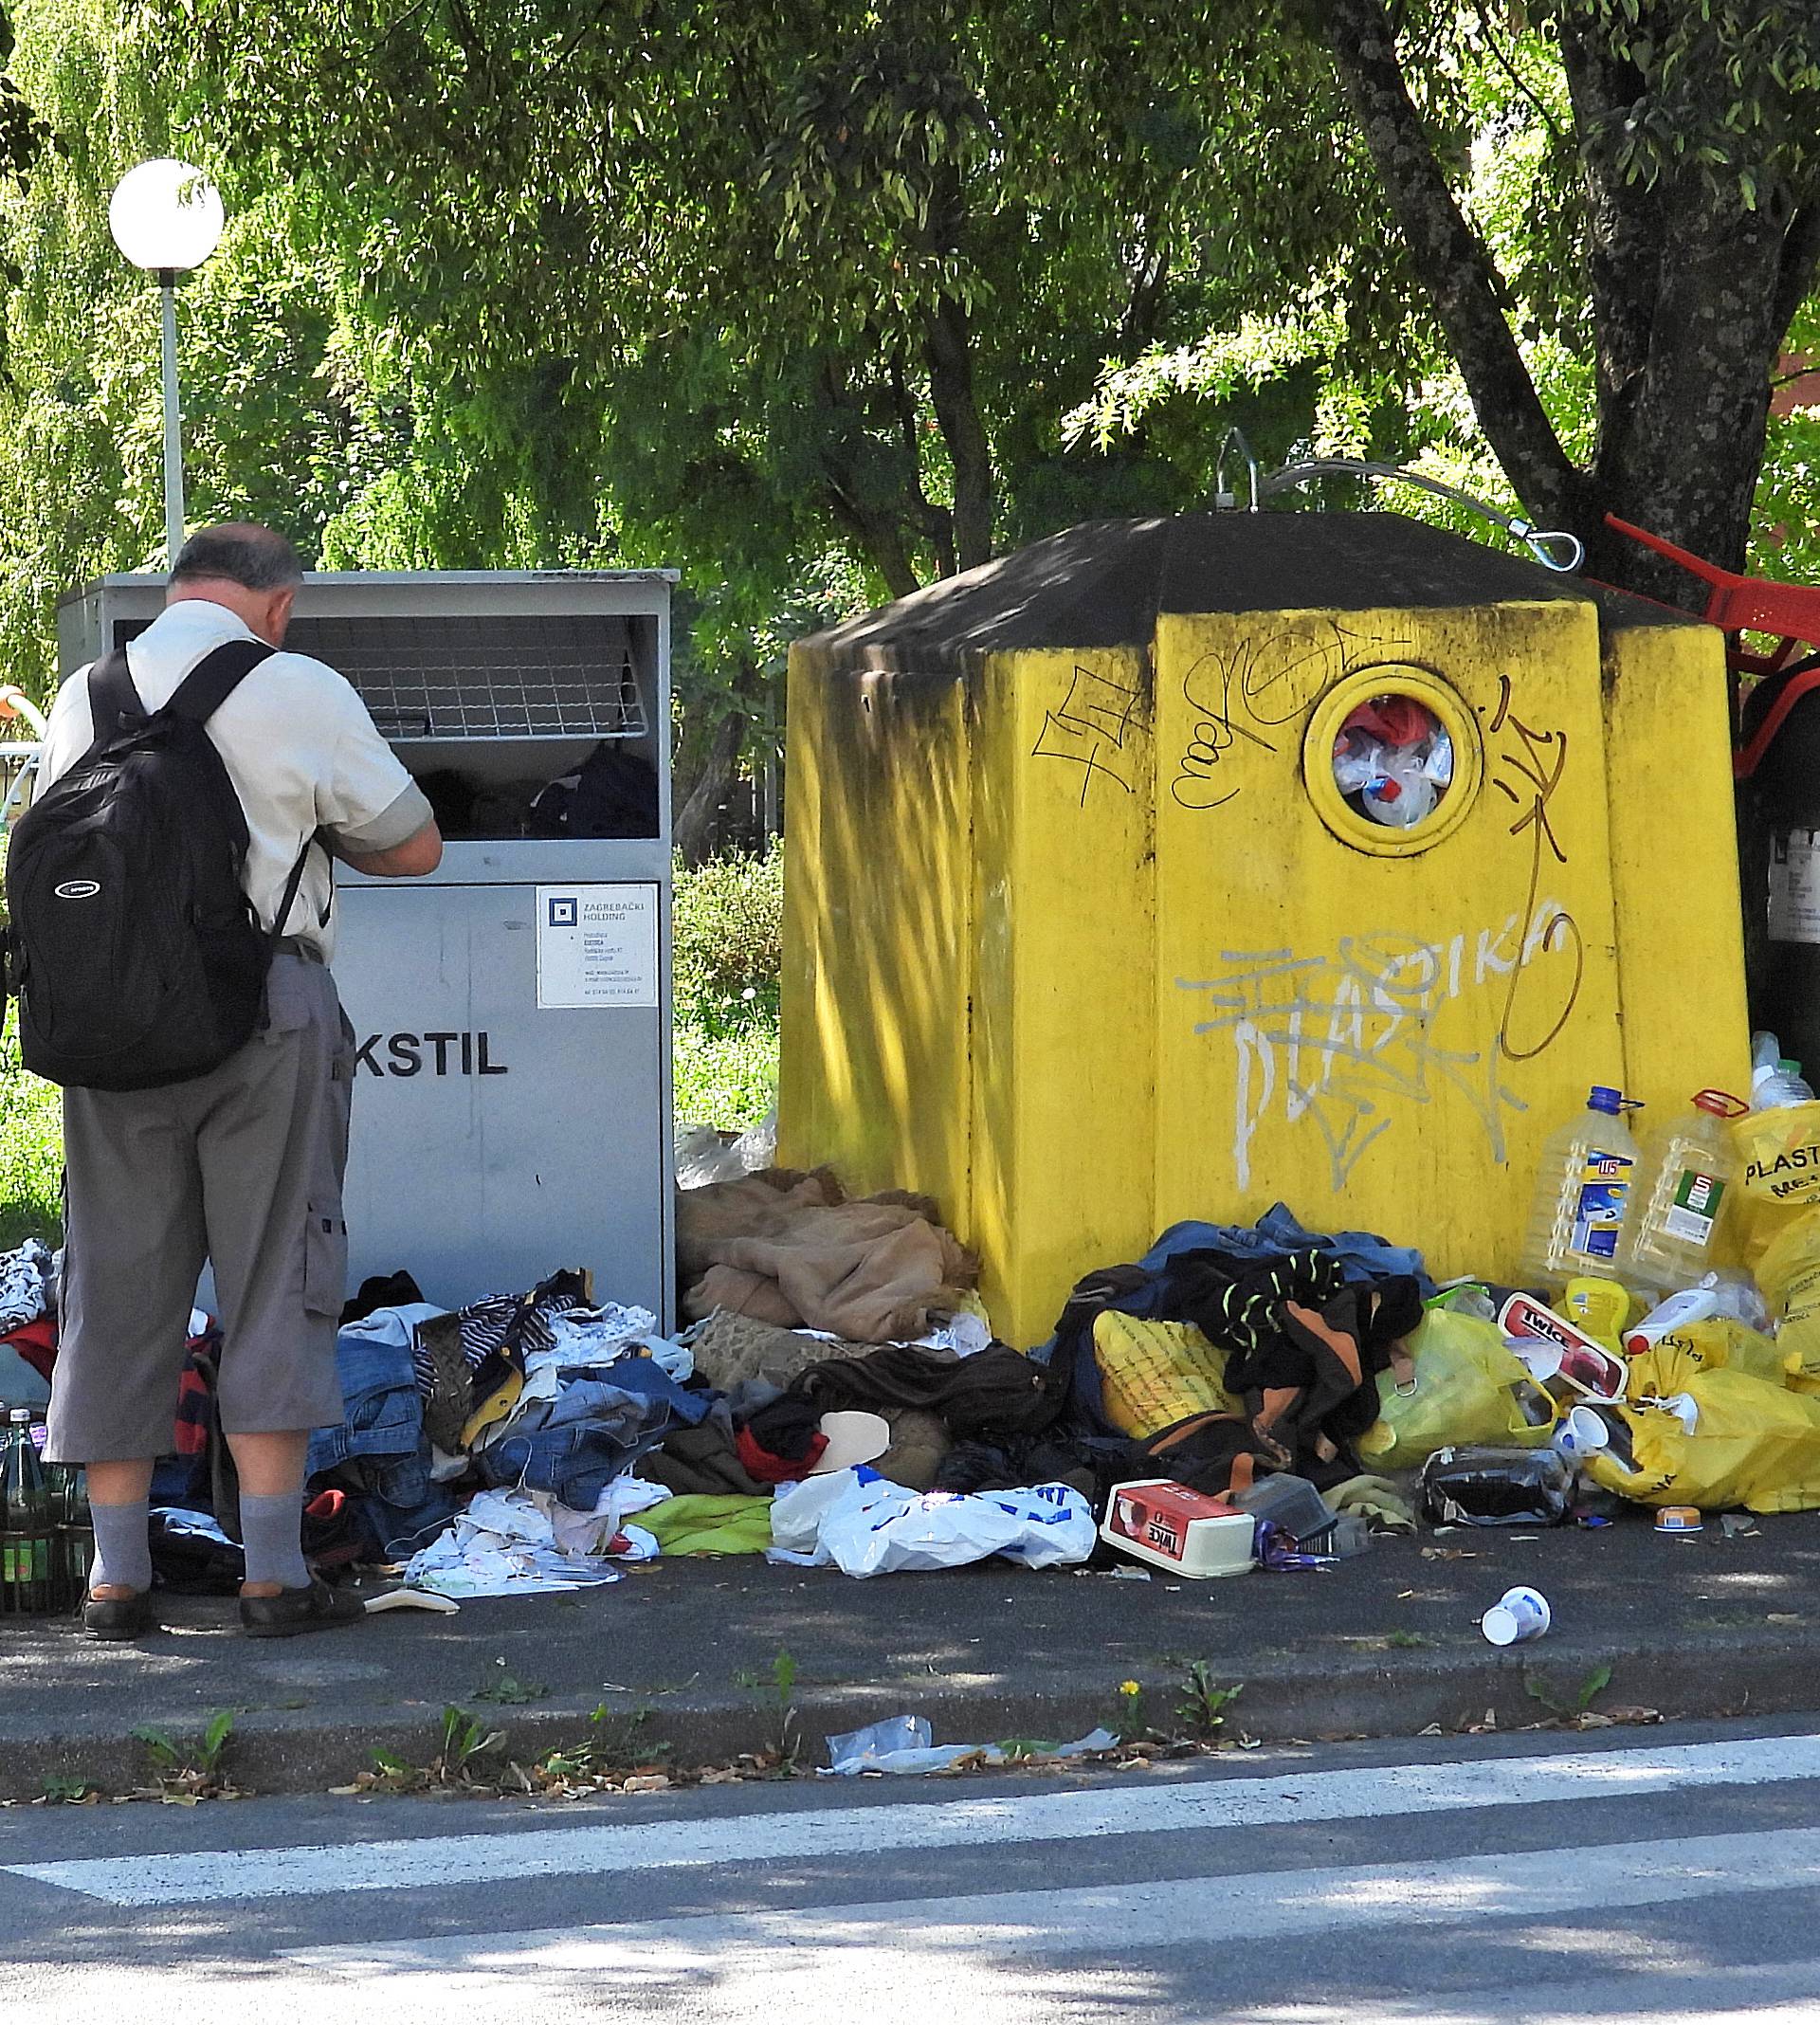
(891, 1943)
(807, 1834)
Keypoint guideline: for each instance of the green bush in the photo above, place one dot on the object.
(729, 940)
(729, 931)
(31, 1153)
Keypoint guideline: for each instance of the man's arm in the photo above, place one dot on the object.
(419, 853)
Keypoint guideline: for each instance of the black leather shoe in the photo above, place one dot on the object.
(129, 1617)
(293, 1611)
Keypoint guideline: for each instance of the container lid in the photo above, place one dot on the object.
(1500, 1625)
(1604, 1098)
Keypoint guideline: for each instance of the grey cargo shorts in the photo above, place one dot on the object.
(242, 1167)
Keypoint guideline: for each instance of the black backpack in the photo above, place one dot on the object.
(136, 954)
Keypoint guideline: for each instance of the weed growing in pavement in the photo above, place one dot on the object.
(1407, 1641)
(187, 1773)
(464, 1739)
(1204, 1703)
(509, 1688)
(1577, 1714)
(1127, 1722)
(63, 1790)
(778, 1686)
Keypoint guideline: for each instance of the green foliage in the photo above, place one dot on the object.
(729, 936)
(777, 1685)
(1594, 1685)
(1202, 1709)
(508, 1689)
(190, 1771)
(31, 1153)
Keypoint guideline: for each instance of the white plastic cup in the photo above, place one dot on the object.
(1518, 1615)
(1580, 1432)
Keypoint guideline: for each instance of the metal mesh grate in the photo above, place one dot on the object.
(485, 677)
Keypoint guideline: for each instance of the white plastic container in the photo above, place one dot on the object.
(1680, 1311)
(1583, 1194)
(1161, 1522)
(1690, 1174)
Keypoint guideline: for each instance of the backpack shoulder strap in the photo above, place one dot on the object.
(111, 697)
(215, 677)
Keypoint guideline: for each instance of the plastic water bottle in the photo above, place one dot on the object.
(1689, 1171)
(1583, 1194)
(1776, 1082)
(24, 1515)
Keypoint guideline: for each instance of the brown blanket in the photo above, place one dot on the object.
(787, 1248)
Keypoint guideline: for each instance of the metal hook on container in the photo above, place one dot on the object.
(1222, 499)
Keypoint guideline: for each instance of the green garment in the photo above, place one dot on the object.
(709, 1525)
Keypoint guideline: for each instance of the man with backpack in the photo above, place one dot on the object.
(171, 903)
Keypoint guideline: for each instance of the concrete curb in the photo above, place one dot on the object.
(1396, 1693)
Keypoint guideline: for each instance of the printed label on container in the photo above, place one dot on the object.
(1695, 1209)
(1794, 887)
(1605, 1187)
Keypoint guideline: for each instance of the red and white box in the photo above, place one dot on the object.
(1186, 1531)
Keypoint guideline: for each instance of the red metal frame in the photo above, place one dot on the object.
(1747, 603)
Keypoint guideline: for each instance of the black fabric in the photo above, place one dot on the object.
(1305, 1347)
(614, 794)
(787, 1429)
(998, 1391)
(135, 951)
(396, 1290)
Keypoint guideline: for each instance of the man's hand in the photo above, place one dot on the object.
(411, 859)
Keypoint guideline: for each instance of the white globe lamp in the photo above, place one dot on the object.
(167, 218)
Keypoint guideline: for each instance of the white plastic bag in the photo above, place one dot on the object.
(875, 1528)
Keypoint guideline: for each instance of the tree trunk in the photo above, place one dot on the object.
(948, 346)
(1462, 279)
(693, 832)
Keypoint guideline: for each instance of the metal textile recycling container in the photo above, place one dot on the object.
(1170, 867)
(511, 1012)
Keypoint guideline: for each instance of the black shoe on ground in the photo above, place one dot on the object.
(291, 1612)
(120, 1618)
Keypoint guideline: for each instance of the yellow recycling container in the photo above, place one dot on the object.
(1086, 931)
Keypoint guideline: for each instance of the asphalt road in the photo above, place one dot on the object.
(1670, 1875)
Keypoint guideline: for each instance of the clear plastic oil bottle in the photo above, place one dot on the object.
(1583, 1194)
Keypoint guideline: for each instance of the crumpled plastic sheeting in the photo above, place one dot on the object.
(864, 1524)
(905, 1743)
(521, 1542)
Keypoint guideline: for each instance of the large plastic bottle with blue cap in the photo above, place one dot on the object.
(1585, 1194)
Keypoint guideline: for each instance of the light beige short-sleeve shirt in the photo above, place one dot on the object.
(298, 744)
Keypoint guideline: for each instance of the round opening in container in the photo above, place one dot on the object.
(1394, 761)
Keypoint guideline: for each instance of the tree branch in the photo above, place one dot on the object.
(1451, 262)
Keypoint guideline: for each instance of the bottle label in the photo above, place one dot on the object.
(1695, 1209)
(1605, 1187)
(1794, 887)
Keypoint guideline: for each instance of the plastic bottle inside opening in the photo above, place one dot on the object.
(1583, 1199)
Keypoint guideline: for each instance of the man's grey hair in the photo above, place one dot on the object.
(238, 552)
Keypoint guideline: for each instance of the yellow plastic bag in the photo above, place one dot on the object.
(1668, 1367)
(1789, 1273)
(1781, 1153)
(1755, 1445)
(1467, 1389)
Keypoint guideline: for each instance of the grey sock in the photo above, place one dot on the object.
(122, 1546)
(272, 1530)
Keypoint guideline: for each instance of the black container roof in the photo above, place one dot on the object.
(1103, 583)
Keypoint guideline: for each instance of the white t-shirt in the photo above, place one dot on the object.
(298, 745)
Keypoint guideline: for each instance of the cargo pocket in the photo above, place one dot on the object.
(325, 1260)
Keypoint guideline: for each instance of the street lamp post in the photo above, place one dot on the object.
(167, 218)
